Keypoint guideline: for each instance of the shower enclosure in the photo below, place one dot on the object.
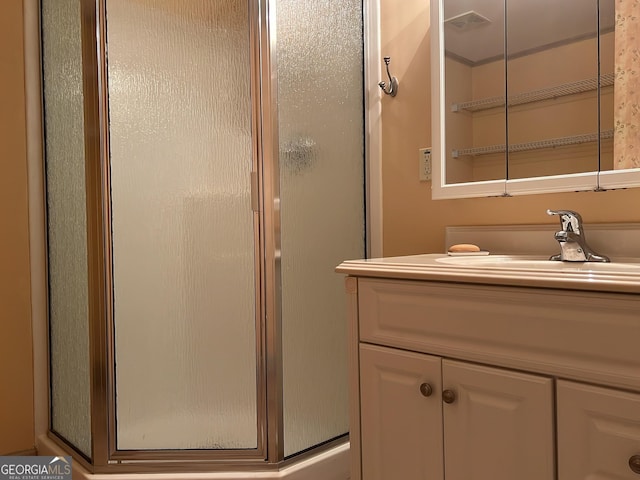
(204, 165)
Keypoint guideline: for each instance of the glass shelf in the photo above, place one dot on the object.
(562, 90)
(519, 147)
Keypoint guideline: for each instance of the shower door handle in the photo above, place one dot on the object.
(255, 199)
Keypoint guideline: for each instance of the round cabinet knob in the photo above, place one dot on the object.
(426, 390)
(634, 463)
(449, 396)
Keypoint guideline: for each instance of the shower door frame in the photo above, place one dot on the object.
(257, 454)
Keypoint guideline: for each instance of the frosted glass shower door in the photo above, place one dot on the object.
(182, 224)
(66, 223)
(320, 124)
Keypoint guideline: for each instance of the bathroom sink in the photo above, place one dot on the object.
(540, 263)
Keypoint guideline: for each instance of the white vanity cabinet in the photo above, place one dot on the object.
(598, 433)
(454, 379)
(422, 415)
(402, 416)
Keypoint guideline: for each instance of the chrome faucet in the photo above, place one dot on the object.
(573, 246)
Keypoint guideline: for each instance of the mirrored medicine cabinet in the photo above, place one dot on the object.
(524, 96)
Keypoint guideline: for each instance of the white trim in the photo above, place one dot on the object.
(36, 215)
(553, 183)
(611, 179)
(437, 108)
(577, 182)
(332, 464)
(373, 126)
(490, 188)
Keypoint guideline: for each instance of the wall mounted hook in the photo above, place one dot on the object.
(393, 81)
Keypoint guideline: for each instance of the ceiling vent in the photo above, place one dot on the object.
(467, 21)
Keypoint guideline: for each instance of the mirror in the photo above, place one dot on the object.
(523, 97)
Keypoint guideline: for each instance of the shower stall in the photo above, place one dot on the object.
(204, 169)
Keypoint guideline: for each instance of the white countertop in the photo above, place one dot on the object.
(622, 275)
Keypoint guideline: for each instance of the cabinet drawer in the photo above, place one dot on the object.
(580, 335)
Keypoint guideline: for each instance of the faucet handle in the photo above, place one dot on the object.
(570, 221)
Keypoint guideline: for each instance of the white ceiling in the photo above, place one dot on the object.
(532, 25)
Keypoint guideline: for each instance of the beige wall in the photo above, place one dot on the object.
(413, 223)
(16, 364)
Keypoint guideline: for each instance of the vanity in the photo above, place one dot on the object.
(495, 367)
(507, 366)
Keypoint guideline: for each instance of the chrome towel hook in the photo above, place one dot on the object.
(393, 81)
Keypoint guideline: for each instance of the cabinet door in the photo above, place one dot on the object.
(598, 433)
(498, 425)
(401, 423)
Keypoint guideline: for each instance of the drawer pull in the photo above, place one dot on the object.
(634, 463)
(426, 390)
(449, 396)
